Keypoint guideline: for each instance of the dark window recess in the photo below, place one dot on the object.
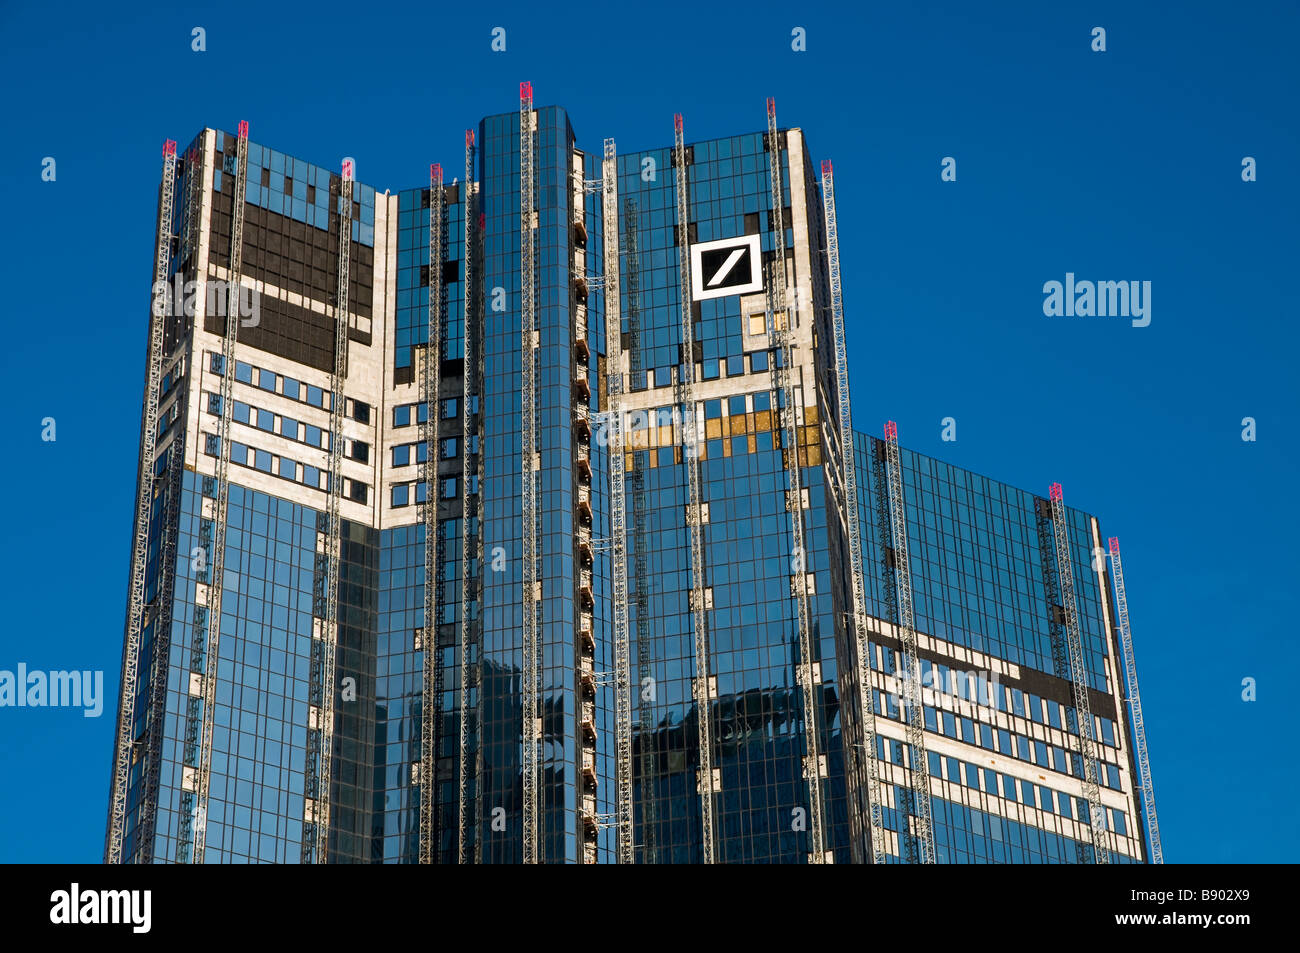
(450, 271)
(751, 223)
(424, 275)
(890, 558)
(229, 164)
(404, 375)
(361, 411)
(451, 193)
(356, 210)
(288, 185)
(360, 451)
(1058, 615)
(424, 198)
(266, 177)
(311, 195)
(211, 444)
(357, 491)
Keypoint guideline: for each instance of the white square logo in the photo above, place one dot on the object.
(728, 266)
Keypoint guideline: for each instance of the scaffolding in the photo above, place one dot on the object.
(532, 722)
(708, 780)
(139, 606)
(782, 315)
(1135, 705)
(470, 649)
(858, 608)
(617, 507)
(922, 839)
(200, 715)
(320, 712)
(645, 703)
(430, 379)
(1079, 678)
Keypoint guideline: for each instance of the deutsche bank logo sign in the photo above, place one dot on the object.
(728, 266)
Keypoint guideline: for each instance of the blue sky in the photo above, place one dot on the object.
(1117, 165)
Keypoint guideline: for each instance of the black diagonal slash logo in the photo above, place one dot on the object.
(725, 267)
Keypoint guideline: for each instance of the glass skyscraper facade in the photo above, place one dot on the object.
(437, 716)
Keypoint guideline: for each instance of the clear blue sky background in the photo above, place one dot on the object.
(1117, 165)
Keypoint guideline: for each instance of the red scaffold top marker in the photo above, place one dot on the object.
(677, 122)
(771, 106)
(347, 170)
(1114, 545)
(435, 174)
(169, 147)
(1055, 492)
(891, 430)
(469, 138)
(826, 168)
(526, 91)
(243, 129)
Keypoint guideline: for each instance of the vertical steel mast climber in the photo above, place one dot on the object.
(320, 735)
(910, 670)
(531, 735)
(1079, 677)
(1135, 703)
(645, 702)
(781, 333)
(143, 509)
(431, 366)
(206, 637)
(858, 609)
(617, 507)
(470, 649)
(685, 398)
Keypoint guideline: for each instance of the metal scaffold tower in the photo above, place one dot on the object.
(1078, 677)
(207, 634)
(320, 727)
(143, 510)
(532, 722)
(910, 670)
(470, 649)
(617, 508)
(685, 397)
(645, 705)
(430, 379)
(1135, 703)
(160, 652)
(781, 320)
(858, 610)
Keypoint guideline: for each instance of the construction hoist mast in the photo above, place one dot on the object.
(1135, 703)
(645, 705)
(430, 379)
(617, 507)
(469, 648)
(685, 397)
(910, 670)
(143, 508)
(160, 651)
(532, 729)
(781, 333)
(207, 636)
(320, 735)
(858, 608)
(1078, 677)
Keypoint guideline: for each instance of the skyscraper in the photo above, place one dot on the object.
(529, 523)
